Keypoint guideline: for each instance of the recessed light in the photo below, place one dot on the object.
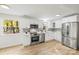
(57, 15)
(45, 19)
(5, 6)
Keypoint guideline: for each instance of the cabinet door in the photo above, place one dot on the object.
(49, 36)
(26, 40)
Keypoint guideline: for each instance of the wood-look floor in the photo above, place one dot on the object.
(49, 48)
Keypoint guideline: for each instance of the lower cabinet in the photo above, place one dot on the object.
(26, 40)
(49, 36)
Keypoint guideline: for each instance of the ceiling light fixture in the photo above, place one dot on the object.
(45, 20)
(57, 15)
(4, 6)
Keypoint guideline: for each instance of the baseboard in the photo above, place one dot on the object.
(26, 45)
(52, 40)
(10, 46)
(49, 41)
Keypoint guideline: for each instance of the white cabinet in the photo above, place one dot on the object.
(7, 40)
(26, 40)
(70, 19)
(57, 23)
(49, 36)
(56, 34)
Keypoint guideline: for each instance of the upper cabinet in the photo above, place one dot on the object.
(56, 24)
(72, 18)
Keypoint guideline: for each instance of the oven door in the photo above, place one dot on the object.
(34, 39)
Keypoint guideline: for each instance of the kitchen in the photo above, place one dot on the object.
(19, 28)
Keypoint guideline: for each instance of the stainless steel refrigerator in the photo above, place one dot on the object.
(70, 34)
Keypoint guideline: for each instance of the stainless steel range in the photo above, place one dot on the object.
(37, 35)
(34, 38)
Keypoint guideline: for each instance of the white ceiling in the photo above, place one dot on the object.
(41, 10)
